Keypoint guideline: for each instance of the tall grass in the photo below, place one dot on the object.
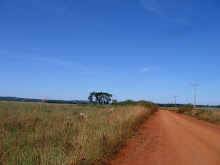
(61, 134)
(212, 116)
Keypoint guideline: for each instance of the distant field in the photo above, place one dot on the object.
(33, 133)
(210, 109)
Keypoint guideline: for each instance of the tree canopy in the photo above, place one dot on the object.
(100, 98)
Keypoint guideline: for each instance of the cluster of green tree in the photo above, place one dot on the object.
(208, 106)
(101, 98)
(16, 99)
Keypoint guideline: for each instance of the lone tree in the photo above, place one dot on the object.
(100, 97)
(91, 96)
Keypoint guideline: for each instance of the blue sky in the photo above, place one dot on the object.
(134, 49)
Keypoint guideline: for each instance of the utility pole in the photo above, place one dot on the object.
(195, 85)
(175, 99)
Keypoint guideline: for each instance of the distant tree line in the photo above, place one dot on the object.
(67, 102)
(95, 98)
(170, 105)
(16, 99)
(101, 98)
(179, 105)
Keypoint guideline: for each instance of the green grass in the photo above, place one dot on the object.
(31, 133)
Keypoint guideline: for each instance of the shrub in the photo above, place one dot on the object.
(153, 107)
(185, 108)
(127, 102)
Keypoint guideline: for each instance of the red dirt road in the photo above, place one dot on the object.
(168, 138)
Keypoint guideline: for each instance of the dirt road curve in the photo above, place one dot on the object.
(168, 138)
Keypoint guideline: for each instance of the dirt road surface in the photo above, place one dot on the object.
(168, 138)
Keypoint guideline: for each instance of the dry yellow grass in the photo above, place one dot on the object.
(62, 134)
(209, 115)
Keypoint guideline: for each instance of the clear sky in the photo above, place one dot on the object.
(134, 49)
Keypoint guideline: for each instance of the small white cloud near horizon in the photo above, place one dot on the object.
(66, 64)
(149, 69)
(63, 63)
(145, 70)
(55, 61)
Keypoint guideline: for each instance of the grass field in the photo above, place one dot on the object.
(32, 133)
(211, 115)
(208, 114)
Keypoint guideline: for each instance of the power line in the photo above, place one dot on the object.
(195, 85)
